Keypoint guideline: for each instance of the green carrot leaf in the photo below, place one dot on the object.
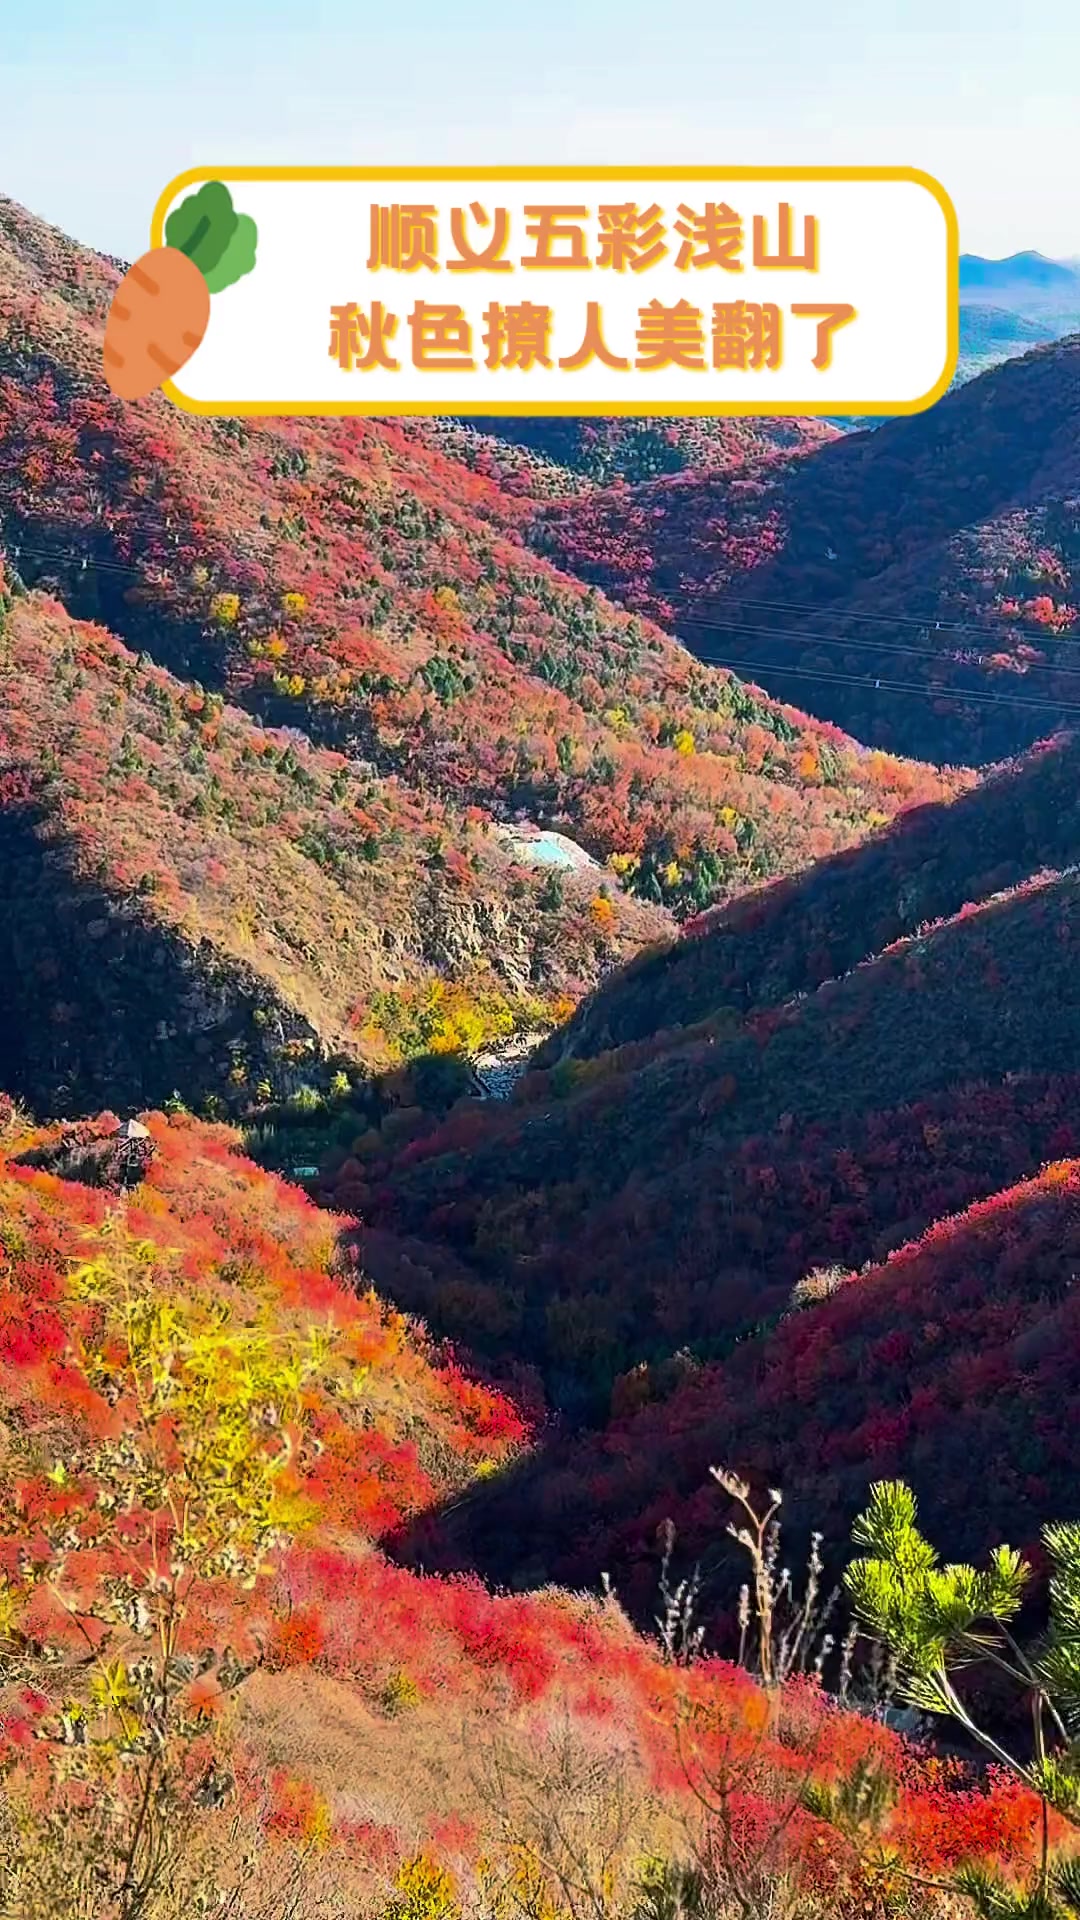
(238, 257)
(203, 225)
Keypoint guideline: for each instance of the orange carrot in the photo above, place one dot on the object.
(161, 309)
(158, 317)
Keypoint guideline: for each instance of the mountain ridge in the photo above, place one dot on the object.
(917, 583)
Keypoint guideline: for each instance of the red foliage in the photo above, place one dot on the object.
(938, 553)
(357, 578)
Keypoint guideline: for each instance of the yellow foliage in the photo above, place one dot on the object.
(317, 1824)
(225, 609)
(213, 1412)
(11, 1607)
(425, 1891)
(528, 1887)
(276, 647)
(400, 1693)
(602, 911)
(683, 741)
(440, 1018)
(294, 603)
(213, 1408)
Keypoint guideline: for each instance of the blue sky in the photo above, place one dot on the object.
(104, 100)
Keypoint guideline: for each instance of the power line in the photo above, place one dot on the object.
(894, 686)
(926, 621)
(87, 562)
(809, 639)
(753, 667)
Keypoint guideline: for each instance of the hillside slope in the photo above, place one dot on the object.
(201, 904)
(353, 579)
(207, 1216)
(779, 1100)
(655, 1198)
(937, 555)
(960, 1350)
(791, 937)
(336, 1736)
(990, 334)
(599, 451)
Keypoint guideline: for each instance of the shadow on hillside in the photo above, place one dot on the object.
(922, 1038)
(92, 579)
(102, 1005)
(794, 934)
(975, 1322)
(867, 522)
(491, 1530)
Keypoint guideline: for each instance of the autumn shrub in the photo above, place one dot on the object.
(424, 1891)
(399, 1694)
(183, 1481)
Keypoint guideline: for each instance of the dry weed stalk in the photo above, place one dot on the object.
(789, 1635)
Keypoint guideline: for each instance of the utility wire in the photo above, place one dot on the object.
(925, 621)
(808, 640)
(756, 667)
(892, 686)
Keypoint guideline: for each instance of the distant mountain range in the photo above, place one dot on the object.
(1026, 283)
(989, 335)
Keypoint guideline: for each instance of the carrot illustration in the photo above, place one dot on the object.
(161, 309)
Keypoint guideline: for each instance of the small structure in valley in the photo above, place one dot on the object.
(134, 1149)
(542, 847)
(111, 1156)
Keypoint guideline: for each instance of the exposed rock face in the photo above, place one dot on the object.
(134, 1010)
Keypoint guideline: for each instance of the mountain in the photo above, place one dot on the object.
(601, 1216)
(916, 584)
(791, 938)
(1028, 283)
(196, 903)
(601, 451)
(354, 580)
(990, 334)
(795, 1196)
